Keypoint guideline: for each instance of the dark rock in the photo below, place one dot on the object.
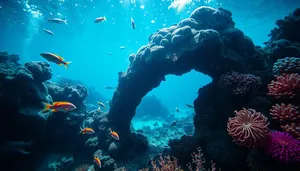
(74, 94)
(206, 42)
(41, 71)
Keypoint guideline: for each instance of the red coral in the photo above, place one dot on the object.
(197, 159)
(286, 85)
(248, 128)
(285, 112)
(293, 129)
(165, 164)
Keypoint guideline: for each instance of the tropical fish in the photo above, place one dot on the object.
(177, 110)
(132, 24)
(97, 161)
(109, 87)
(113, 134)
(122, 47)
(55, 58)
(101, 104)
(57, 20)
(86, 131)
(100, 19)
(48, 32)
(60, 107)
(188, 105)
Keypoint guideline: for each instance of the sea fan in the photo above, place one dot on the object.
(282, 147)
(248, 128)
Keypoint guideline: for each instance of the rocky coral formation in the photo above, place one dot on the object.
(22, 94)
(207, 41)
(285, 40)
(74, 94)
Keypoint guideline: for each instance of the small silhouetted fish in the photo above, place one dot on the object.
(12, 147)
(122, 47)
(57, 20)
(48, 32)
(173, 124)
(109, 87)
(100, 19)
(188, 105)
(132, 24)
(109, 53)
(177, 110)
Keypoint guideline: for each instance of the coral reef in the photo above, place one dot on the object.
(61, 164)
(207, 42)
(286, 65)
(22, 94)
(74, 94)
(285, 85)
(239, 84)
(194, 43)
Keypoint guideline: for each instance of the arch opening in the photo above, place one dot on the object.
(167, 111)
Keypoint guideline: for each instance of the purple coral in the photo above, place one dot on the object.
(239, 84)
(282, 147)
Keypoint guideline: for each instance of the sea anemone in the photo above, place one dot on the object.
(282, 147)
(248, 128)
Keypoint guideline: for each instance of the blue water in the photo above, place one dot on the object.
(86, 44)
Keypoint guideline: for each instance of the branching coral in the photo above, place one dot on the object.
(248, 128)
(285, 85)
(239, 84)
(197, 159)
(166, 163)
(285, 112)
(282, 147)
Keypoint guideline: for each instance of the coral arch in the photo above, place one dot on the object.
(207, 42)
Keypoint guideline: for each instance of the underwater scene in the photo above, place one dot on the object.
(150, 85)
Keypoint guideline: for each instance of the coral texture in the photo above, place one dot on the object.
(287, 65)
(239, 84)
(283, 147)
(285, 112)
(248, 128)
(286, 85)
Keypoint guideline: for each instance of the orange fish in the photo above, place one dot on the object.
(114, 134)
(55, 58)
(59, 107)
(86, 131)
(97, 161)
(100, 19)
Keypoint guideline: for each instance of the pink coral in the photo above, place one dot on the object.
(283, 147)
(248, 128)
(293, 129)
(286, 85)
(285, 112)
